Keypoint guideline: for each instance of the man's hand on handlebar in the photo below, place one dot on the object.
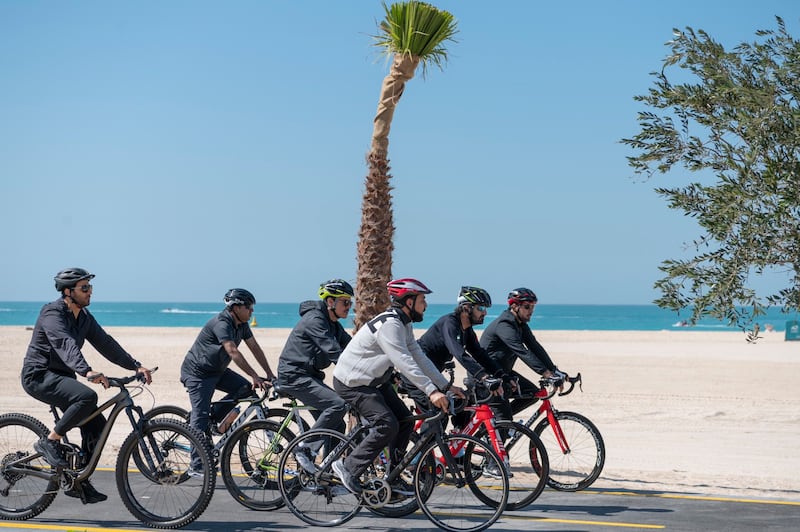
(260, 383)
(494, 385)
(97, 377)
(144, 374)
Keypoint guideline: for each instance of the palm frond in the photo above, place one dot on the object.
(418, 29)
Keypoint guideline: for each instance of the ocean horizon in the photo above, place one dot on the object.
(285, 316)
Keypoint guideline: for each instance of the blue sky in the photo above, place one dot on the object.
(181, 148)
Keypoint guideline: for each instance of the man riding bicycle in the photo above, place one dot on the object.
(363, 377)
(53, 359)
(315, 342)
(453, 336)
(508, 338)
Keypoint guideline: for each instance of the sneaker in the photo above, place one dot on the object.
(492, 470)
(350, 482)
(51, 451)
(194, 473)
(86, 493)
(305, 457)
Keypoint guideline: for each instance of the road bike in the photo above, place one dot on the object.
(575, 447)
(447, 475)
(151, 470)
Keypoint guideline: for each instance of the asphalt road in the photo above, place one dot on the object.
(592, 510)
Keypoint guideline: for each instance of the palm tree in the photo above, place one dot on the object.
(412, 33)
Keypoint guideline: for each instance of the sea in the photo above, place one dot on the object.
(285, 315)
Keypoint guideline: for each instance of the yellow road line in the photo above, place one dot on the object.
(694, 497)
(64, 528)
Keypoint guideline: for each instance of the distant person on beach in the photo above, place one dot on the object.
(452, 336)
(205, 367)
(508, 338)
(363, 377)
(315, 342)
(53, 360)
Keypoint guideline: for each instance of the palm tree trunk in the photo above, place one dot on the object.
(376, 236)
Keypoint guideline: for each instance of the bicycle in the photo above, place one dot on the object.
(522, 452)
(447, 469)
(248, 448)
(574, 444)
(151, 476)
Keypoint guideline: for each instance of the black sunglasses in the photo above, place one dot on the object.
(85, 288)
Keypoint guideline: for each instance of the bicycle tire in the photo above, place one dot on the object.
(165, 496)
(318, 499)
(23, 496)
(528, 462)
(168, 412)
(250, 461)
(279, 415)
(458, 502)
(579, 466)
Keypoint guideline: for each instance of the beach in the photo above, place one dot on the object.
(691, 412)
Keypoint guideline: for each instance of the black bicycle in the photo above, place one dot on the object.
(151, 470)
(447, 477)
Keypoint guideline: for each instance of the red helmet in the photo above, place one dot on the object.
(399, 288)
(520, 295)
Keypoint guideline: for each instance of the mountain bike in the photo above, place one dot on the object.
(248, 446)
(151, 472)
(574, 445)
(448, 480)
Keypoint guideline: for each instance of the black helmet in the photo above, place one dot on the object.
(69, 278)
(335, 288)
(520, 295)
(239, 296)
(474, 295)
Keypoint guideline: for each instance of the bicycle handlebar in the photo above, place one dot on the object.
(119, 382)
(555, 383)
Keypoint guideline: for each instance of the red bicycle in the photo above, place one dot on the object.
(523, 453)
(573, 443)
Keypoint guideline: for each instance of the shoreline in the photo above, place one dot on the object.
(679, 411)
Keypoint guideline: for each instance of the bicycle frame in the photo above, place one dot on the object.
(547, 408)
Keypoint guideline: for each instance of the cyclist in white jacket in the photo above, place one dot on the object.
(363, 378)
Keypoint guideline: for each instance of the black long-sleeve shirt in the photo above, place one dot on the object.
(506, 339)
(446, 340)
(58, 338)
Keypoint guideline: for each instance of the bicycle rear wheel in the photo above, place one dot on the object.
(152, 474)
(528, 462)
(317, 498)
(23, 495)
(250, 461)
(458, 501)
(577, 464)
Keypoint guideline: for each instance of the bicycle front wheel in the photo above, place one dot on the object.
(152, 474)
(317, 498)
(250, 461)
(458, 501)
(528, 466)
(168, 412)
(577, 458)
(23, 495)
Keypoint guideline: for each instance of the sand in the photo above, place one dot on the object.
(680, 411)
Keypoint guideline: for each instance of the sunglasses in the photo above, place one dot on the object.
(346, 302)
(85, 288)
(526, 306)
(480, 308)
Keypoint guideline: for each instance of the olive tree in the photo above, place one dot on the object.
(725, 126)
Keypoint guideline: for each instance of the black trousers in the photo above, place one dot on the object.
(383, 409)
(76, 400)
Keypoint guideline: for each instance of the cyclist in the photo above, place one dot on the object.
(508, 338)
(363, 377)
(53, 359)
(205, 367)
(453, 336)
(315, 342)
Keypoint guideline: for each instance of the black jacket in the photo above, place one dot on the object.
(505, 340)
(58, 338)
(445, 340)
(314, 343)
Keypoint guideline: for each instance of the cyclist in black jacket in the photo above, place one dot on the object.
(453, 336)
(508, 338)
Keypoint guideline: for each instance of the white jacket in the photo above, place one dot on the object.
(385, 342)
